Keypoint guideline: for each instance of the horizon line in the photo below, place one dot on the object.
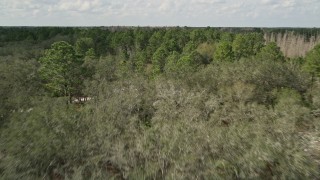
(166, 26)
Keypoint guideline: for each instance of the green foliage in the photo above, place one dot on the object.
(212, 35)
(155, 42)
(312, 64)
(271, 52)
(228, 37)
(89, 63)
(50, 135)
(83, 45)
(141, 38)
(106, 69)
(171, 67)
(19, 82)
(224, 52)
(240, 46)
(60, 70)
(180, 66)
(140, 61)
(158, 59)
(207, 51)
(197, 36)
(270, 75)
(189, 47)
(122, 40)
(246, 45)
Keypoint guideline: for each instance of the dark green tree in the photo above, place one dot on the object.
(122, 41)
(197, 36)
(228, 37)
(312, 63)
(141, 38)
(89, 63)
(155, 42)
(271, 52)
(178, 66)
(60, 70)
(246, 45)
(159, 60)
(240, 46)
(140, 61)
(189, 47)
(83, 45)
(223, 52)
(212, 35)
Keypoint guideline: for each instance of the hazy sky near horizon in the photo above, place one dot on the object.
(215, 13)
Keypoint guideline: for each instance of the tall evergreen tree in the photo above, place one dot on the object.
(61, 70)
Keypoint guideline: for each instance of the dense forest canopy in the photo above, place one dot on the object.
(159, 103)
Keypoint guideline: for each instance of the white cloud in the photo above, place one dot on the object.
(163, 12)
(78, 5)
(269, 2)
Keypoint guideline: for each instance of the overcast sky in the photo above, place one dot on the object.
(214, 13)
